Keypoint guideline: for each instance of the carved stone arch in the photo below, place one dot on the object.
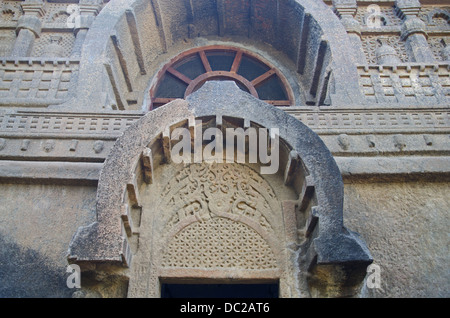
(210, 222)
(12, 10)
(324, 245)
(59, 16)
(438, 13)
(307, 32)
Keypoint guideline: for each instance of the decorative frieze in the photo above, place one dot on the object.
(332, 122)
(54, 44)
(416, 32)
(434, 16)
(63, 125)
(386, 54)
(7, 38)
(371, 44)
(353, 131)
(43, 149)
(10, 13)
(36, 82)
(387, 15)
(323, 121)
(388, 145)
(413, 84)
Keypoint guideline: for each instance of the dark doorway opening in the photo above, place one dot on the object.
(219, 290)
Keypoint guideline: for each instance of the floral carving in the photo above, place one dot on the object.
(437, 45)
(220, 215)
(371, 44)
(231, 190)
(219, 243)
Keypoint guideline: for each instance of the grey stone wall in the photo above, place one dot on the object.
(372, 81)
(405, 226)
(37, 222)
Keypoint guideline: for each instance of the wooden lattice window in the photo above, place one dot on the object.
(187, 72)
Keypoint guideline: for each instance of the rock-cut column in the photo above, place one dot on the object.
(414, 31)
(28, 28)
(87, 10)
(346, 10)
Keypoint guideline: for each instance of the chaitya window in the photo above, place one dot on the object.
(187, 72)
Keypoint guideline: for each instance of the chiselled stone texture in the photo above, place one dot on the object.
(414, 32)
(436, 17)
(370, 45)
(406, 84)
(405, 226)
(220, 189)
(67, 124)
(36, 82)
(219, 243)
(387, 14)
(408, 32)
(224, 201)
(10, 13)
(57, 15)
(76, 136)
(74, 83)
(7, 38)
(437, 45)
(53, 44)
(365, 121)
(218, 217)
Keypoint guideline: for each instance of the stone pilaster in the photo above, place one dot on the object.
(386, 54)
(346, 10)
(446, 51)
(88, 9)
(28, 28)
(414, 31)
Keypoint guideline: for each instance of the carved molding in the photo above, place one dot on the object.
(412, 84)
(36, 82)
(322, 120)
(223, 190)
(221, 243)
(74, 134)
(106, 240)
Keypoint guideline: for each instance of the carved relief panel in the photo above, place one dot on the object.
(213, 222)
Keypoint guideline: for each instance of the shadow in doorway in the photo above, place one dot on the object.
(219, 291)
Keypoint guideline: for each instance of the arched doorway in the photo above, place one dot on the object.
(309, 225)
(129, 42)
(250, 290)
(211, 223)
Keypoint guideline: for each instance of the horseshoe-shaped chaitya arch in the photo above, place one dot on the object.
(308, 32)
(305, 161)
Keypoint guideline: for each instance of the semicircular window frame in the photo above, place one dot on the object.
(188, 71)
